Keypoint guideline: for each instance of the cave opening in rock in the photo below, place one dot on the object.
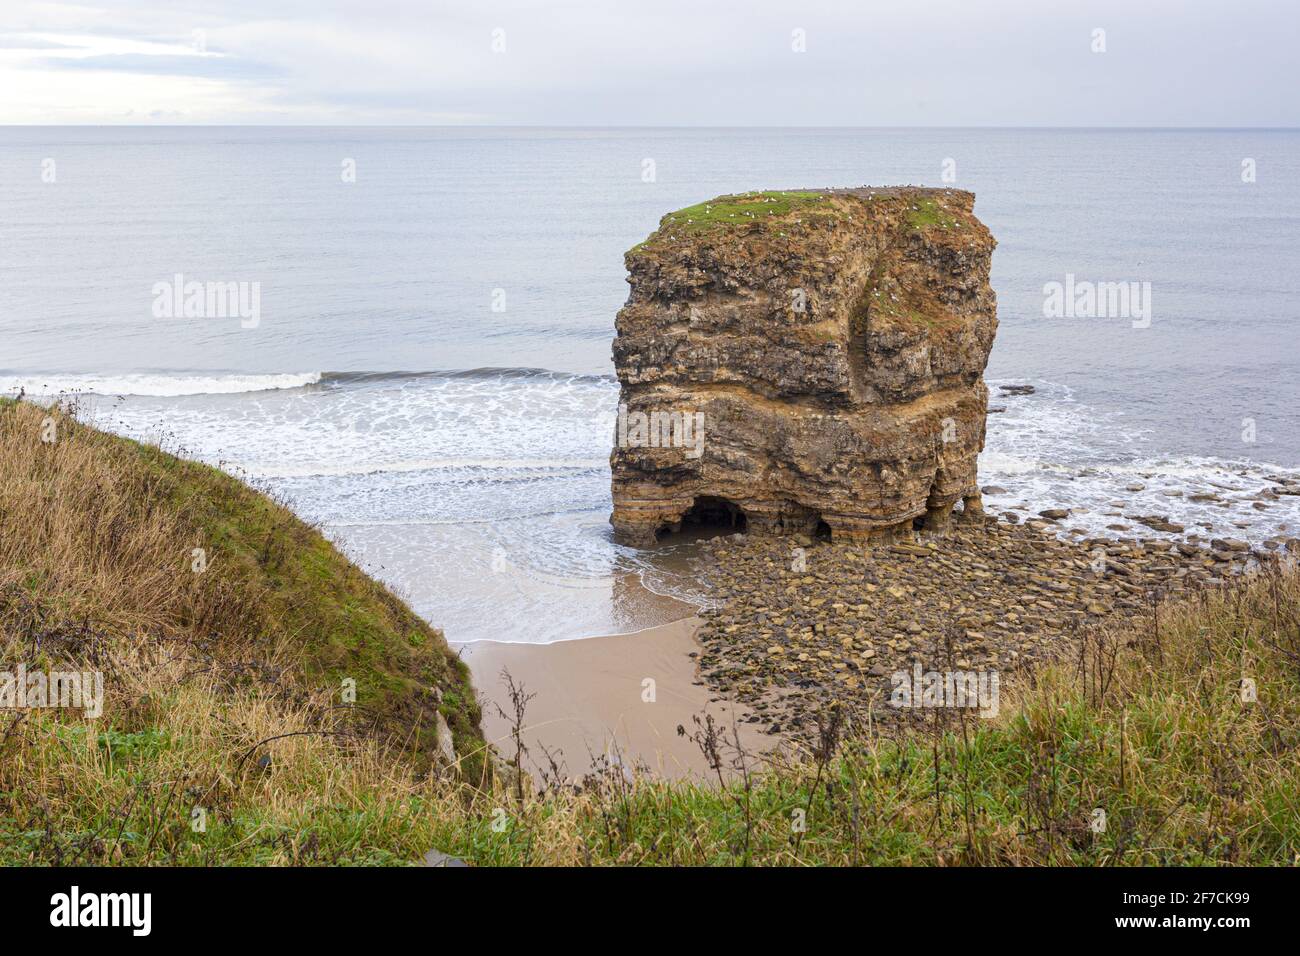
(710, 516)
(823, 532)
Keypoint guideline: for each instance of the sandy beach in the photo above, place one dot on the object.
(592, 699)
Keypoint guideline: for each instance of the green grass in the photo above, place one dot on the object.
(928, 214)
(737, 210)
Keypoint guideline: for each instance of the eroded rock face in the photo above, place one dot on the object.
(794, 358)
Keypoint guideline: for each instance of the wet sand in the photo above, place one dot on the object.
(591, 700)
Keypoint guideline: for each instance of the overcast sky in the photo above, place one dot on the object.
(652, 62)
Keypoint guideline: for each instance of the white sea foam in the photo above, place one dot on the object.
(1048, 451)
(516, 465)
(154, 385)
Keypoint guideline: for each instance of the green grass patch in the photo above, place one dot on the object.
(928, 214)
(738, 210)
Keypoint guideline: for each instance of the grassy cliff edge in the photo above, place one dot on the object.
(193, 592)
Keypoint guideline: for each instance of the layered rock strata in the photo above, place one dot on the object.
(804, 361)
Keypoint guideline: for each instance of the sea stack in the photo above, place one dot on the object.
(803, 362)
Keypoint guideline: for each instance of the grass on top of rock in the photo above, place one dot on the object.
(929, 214)
(737, 210)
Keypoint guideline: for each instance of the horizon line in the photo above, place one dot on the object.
(598, 126)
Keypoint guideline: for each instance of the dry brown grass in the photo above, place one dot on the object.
(98, 539)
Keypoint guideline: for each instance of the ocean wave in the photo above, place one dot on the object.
(485, 374)
(1192, 468)
(324, 470)
(1203, 467)
(158, 385)
(175, 384)
(1004, 463)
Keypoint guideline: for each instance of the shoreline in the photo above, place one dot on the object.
(592, 703)
(749, 664)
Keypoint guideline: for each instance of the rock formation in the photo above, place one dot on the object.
(804, 361)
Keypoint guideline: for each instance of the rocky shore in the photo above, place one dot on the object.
(799, 622)
(1237, 502)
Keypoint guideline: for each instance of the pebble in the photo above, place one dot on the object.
(988, 594)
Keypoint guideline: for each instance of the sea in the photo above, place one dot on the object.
(415, 351)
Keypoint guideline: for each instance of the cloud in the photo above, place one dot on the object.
(166, 65)
(21, 42)
(673, 62)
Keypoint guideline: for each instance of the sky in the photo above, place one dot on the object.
(651, 62)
